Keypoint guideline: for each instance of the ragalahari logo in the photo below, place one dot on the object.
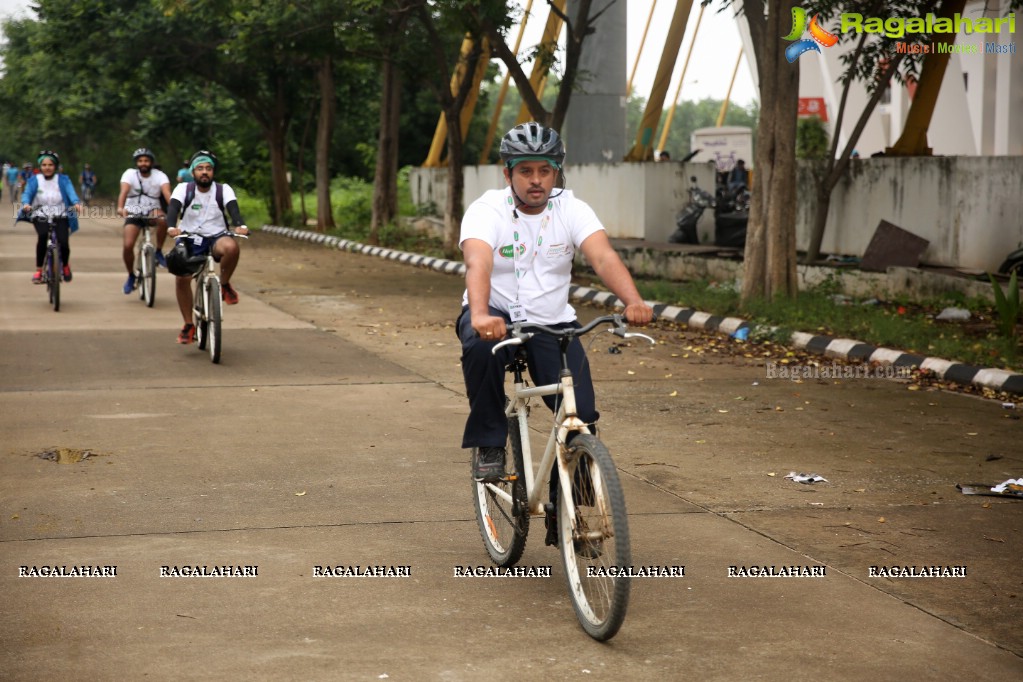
(818, 36)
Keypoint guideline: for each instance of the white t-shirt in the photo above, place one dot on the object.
(143, 193)
(48, 201)
(540, 248)
(202, 216)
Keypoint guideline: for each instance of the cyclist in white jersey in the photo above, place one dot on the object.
(204, 216)
(142, 187)
(518, 244)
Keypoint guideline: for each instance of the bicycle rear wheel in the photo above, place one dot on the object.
(213, 314)
(501, 508)
(596, 548)
(148, 293)
(54, 274)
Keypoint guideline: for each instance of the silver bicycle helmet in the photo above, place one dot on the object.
(144, 151)
(532, 142)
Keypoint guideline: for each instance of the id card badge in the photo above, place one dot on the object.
(197, 240)
(517, 312)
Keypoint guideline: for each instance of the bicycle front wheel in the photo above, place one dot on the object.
(502, 511)
(54, 275)
(213, 314)
(199, 314)
(595, 548)
(149, 275)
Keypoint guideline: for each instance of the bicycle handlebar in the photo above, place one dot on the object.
(523, 331)
(229, 233)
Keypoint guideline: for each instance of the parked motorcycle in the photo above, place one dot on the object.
(685, 223)
(1013, 262)
(731, 214)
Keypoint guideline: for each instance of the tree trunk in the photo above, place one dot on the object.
(277, 141)
(456, 184)
(324, 134)
(300, 167)
(385, 183)
(770, 254)
(837, 164)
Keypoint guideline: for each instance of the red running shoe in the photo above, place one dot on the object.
(187, 334)
(228, 293)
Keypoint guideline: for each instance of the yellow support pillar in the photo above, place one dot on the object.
(728, 95)
(440, 135)
(495, 119)
(913, 141)
(642, 42)
(662, 143)
(538, 77)
(643, 149)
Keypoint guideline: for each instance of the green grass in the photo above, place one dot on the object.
(899, 325)
(253, 209)
(351, 201)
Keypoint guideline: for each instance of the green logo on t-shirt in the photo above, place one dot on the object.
(507, 251)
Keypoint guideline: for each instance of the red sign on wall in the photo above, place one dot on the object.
(813, 106)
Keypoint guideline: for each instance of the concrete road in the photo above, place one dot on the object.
(328, 436)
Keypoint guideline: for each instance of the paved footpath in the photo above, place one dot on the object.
(328, 435)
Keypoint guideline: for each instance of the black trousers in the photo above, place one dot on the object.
(484, 379)
(43, 231)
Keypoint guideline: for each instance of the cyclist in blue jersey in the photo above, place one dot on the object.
(51, 196)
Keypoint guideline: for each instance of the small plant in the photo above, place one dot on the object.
(811, 139)
(1006, 305)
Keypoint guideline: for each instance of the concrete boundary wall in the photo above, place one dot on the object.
(970, 208)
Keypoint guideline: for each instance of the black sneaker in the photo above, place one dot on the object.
(487, 464)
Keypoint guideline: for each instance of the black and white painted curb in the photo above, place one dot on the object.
(843, 349)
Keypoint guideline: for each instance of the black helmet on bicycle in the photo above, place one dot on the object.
(181, 262)
(44, 154)
(144, 151)
(202, 156)
(532, 142)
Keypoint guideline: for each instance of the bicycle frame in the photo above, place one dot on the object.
(565, 422)
(202, 279)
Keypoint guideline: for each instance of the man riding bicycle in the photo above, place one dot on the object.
(204, 207)
(141, 190)
(11, 177)
(518, 244)
(87, 183)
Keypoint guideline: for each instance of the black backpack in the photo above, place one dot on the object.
(218, 191)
